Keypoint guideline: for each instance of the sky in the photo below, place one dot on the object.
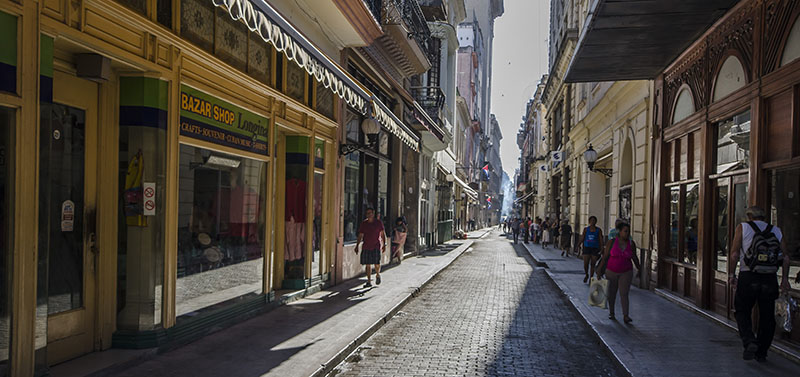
(519, 61)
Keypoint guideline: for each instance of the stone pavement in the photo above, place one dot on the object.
(664, 339)
(490, 313)
(301, 338)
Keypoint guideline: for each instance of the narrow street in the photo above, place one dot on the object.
(492, 312)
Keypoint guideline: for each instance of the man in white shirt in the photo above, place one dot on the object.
(755, 287)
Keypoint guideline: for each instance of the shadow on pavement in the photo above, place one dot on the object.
(256, 346)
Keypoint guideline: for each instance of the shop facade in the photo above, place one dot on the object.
(727, 139)
(177, 171)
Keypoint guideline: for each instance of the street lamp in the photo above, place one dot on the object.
(371, 128)
(590, 156)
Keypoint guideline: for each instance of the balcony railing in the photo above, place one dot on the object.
(407, 11)
(431, 98)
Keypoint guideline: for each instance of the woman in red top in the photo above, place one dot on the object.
(619, 253)
(372, 233)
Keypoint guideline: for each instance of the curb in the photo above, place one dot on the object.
(621, 367)
(340, 356)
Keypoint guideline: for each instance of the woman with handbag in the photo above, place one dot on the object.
(616, 262)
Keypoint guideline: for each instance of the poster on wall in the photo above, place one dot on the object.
(208, 118)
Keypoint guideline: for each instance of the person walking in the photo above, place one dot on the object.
(545, 232)
(590, 241)
(515, 229)
(373, 235)
(555, 226)
(523, 229)
(399, 239)
(617, 267)
(566, 237)
(612, 233)
(758, 250)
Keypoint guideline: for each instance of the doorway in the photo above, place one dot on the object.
(730, 205)
(67, 203)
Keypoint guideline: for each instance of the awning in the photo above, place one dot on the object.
(526, 196)
(470, 192)
(262, 19)
(385, 117)
(637, 39)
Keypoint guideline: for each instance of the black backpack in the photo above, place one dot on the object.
(764, 255)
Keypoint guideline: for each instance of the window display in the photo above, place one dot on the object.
(785, 213)
(221, 228)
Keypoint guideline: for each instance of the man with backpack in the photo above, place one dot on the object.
(758, 250)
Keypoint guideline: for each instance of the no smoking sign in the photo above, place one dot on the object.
(149, 191)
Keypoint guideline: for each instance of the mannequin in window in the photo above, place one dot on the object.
(295, 214)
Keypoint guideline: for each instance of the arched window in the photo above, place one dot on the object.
(791, 50)
(731, 77)
(684, 106)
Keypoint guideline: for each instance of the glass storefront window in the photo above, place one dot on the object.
(319, 179)
(733, 143)
(675, 197)
(221, 229)
(785, 213)
(352, 170)
(690, 222)
(721, 227)
(7, 123)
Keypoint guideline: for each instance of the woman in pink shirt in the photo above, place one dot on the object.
(616, 262)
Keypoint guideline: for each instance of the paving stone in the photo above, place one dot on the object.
(489, 314)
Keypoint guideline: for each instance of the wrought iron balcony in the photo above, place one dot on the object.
(431, 98)
(393, 12)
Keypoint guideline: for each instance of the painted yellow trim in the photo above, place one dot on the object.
(26, 194)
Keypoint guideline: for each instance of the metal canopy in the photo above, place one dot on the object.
(637, 39)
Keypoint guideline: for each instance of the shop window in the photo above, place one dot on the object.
(295, 81)
(733, 143)
(352, 195)
(730, 78)
(230, 40)
(8, 53)
(690, 219)
(326, 101)
(7, 124)
(140, 6)
(259, 59)
(697, 143)
(674, 213)
(791, 51)
(164, 12)
(684, 106)
(319, 182)
(683, 166)
(785, 213)
(721, 228)
(221, 229)
(197, 22)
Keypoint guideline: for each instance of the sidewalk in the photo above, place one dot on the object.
(664, 339)
(306, 337)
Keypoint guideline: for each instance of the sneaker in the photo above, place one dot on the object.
(750, 351)
(378, 280)
(368, 284)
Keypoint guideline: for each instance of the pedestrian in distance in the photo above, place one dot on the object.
(566, 237)
(373, 235)
(590, 242)
(399, 238)
(618, 269)
(612, 233)
(515, 229)
(538, 230)
(523, 229)
(758, 250)
(545, 232)
(555, 227)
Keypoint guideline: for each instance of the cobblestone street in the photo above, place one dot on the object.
(490, 313)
